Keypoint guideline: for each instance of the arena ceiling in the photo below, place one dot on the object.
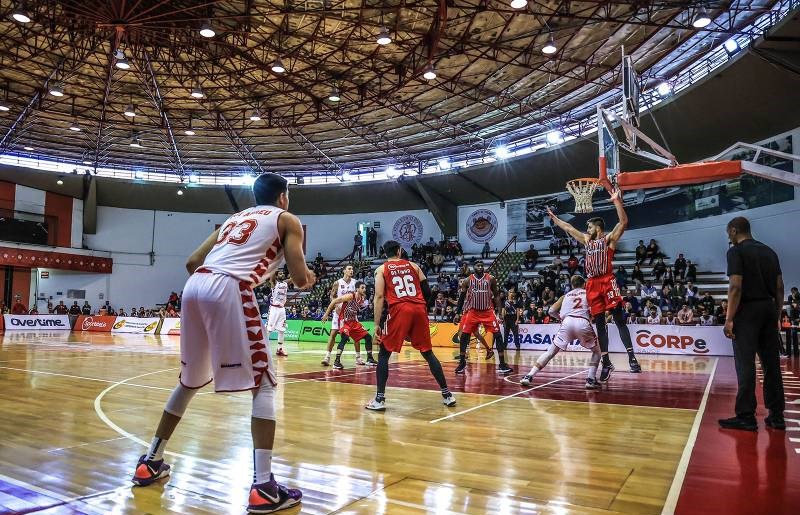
(196, 98)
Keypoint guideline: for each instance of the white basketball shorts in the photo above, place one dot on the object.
(575, 328)
(277, 319)
(335, 325)
(222, 338)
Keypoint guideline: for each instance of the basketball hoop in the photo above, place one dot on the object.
(583, 189)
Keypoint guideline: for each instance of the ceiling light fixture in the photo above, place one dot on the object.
(197, 91)
(347, 176)
(139, 174)
(136, 142)
(701, 19)
(277, 66)
(664, 89)
(428, 73)
(28, 148)
(502, 152)
(74, 126)
(550, 48)
(121, 62)
(554, 138)
(731, 46)
(206, 31)
(60, 180)
(21, 16)
(254, 115)
(4, 107)
(194, 178)
(248, 180)
(383, 37)
(130, 111)
(56, 89)
(335, 96)
(179, 192)
(189, 132)
(444, 164)
(393, 172)
(518, 4)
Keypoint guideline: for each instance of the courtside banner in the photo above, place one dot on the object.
(95, 324)
(36, 322)
(170, 326)
(315, 331)
(135, 325)
(293, 330)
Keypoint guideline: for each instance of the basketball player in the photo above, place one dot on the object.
(573, 310)
(349, 326)
(480, 304)
(277, 309)
(403, 286)
(602, 291)
(341, 287)
(222, 338)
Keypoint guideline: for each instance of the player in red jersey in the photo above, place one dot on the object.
(403, 286)
(602, 291)
(349, 326)
(480, 303)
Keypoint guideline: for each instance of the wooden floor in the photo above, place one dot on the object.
(77, 410)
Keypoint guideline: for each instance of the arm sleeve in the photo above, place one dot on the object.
(426, 291)
(735, 264)
(461, 297)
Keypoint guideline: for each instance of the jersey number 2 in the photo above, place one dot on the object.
(404, 286)
(578, 303)
(237, 233)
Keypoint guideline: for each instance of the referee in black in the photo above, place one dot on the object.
(755, 300)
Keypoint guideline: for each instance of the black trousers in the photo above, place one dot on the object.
(510, 327)
(791, 341)
(756, 328)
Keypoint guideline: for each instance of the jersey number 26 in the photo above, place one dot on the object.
(404, 286)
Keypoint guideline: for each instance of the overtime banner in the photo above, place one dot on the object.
(36, 322)
(135, 325)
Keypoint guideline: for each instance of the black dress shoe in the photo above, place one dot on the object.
(775, 422)
(742, 424)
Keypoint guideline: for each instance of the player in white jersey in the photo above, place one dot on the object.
(573, 310)
(276, 321)
(222, 339)
(339, 288)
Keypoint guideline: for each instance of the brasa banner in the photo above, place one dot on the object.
(95, 323)
(135, 325)
(36, 322)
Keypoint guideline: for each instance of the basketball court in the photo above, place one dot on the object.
(645, 444)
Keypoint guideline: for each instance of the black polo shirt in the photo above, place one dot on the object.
(759, 267)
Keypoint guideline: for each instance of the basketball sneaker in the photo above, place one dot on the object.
(371, 362)
(449, 401)
(281, 352)
(337, 364)
(376, 405)
(636, 368)
(462, 367)
(526, 381)
(776, 421)
(592, 384)
(270, 497)
(489, 354)
(360, 361)
(605, 373)
(504, 369)
(326, 360)
(149, 471)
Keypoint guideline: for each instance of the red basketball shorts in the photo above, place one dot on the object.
(406, 321)
(602, 293)
(473, 318)
(353, 329)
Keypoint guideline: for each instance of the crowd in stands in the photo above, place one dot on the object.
(170, 309)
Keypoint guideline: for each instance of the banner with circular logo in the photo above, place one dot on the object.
(481, 225)
(407, 230)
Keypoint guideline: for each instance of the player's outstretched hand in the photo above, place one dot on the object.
(324, 319)
(550, 212)
(616, 195)
(311, 279)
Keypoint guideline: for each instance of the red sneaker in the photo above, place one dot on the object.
(149, 471)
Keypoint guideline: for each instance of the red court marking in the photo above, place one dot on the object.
(659, 389)
(739, 472)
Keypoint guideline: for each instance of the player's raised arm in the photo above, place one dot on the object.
(291, 233)
(566, 227)
(377, 301)
(197, 258)
(347, 297)
(616, 233)
(555, 309)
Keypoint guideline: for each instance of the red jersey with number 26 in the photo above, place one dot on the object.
(402, 283)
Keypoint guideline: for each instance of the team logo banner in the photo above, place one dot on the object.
(95, 324)
(135, 325)
(170, 326)
(407, 230)
(481, 225)
(36, 322)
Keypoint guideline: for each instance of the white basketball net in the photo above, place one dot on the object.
(582, 190)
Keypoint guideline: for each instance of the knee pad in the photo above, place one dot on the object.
(179, 400)
(264, 402)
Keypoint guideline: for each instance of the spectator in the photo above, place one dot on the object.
(686, 315)
(671, 319)
(548, 296)
(142, 312)
(18, 308)
(707, 318)
(648, 291)
(554, 246)
(722, 312)
(173, 298)
(669, 277)
(630, 298)
(572, 265)
(372, 242)
(628, 313)
(691, 272)
(641, 252)
(438, 261)
(794, 296)
(75, 310)
(789, 327)
(61, 309)
(121, 312)
(665, 303)
(651, 309)
(531, 258)
(654, 317)
(319, 259)
(692, 294)
(652, 251)
(34, 310)
(514, 277)
(680, 266)
(486, 251)
(439, 306)
(563, 285)
(540, 317)
(529, 315)
(86, 309)
(557, 264)
(659, 269)
(50, 307)
(622, 277)
(449, 314)
(134, 313)
(358, 246)
(637, 276)
(707, 302)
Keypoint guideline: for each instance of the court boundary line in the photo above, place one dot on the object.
(95, 379)
(453, 415)
(671, 502)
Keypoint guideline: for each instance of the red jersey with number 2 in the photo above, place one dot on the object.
(402, 283)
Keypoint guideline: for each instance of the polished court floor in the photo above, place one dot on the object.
(76, 411)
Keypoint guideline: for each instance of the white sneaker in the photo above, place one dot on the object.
(326, 360)
(376, 406)
(360, 361)
(526, 381)
(449, 401)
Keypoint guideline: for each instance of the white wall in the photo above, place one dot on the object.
(59, 281)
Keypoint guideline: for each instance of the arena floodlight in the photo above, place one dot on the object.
(248, 180)
(206, 31)
(21, 15)
(29, 149)
(550, 48)
(130, 111)
(121, 62)
(429, 73)
(383, 37)
(74, 126)
(731, 46)
(701, 19)
(518, 4)
(194, 178)
(56, 89)
(664, 89)
(139, 174)
(554, 138)
(335, 95)
(60, 180)
(254, 115)
(197, 92)
(393, 172)
(277, 66)
(179, 192)
(444, 164)
(502, 152)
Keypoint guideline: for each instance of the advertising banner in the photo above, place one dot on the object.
(170, 326)
(135, 325)
(292, 334)
(36, 322)
(315, 331)
(95, 323)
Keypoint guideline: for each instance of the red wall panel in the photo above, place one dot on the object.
(60, 206)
